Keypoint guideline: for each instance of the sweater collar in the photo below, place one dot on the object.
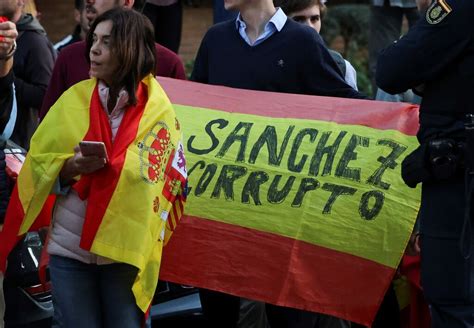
(278, 20)
(275, 24)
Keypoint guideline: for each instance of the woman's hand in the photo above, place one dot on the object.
(8, 35)
(79, 165)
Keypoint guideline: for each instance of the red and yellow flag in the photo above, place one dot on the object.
(293, 200)
(130, 199)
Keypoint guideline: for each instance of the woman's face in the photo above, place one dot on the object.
(104, 64)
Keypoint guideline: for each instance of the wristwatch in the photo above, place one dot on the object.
(10, 53)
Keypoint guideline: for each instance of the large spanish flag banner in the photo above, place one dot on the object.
(293, 200)
(130, 200)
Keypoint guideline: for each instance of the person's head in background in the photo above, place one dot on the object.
(94, 8)
(80, 17)
(121, 47)
(30, 8)
(12, 9)
(308, 12)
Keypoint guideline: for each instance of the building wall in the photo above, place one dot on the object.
(57, 17)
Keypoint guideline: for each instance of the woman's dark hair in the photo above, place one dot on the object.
(132, 41)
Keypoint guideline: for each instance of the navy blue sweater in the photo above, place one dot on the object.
(294, 60)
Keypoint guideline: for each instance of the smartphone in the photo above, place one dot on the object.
(93, 148)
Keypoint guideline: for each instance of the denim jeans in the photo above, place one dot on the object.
(94, 296)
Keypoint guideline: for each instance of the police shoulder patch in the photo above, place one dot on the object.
(437, 12)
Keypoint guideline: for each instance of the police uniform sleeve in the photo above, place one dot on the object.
(435, 41)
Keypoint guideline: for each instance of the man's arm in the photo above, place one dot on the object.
(201, 69)
(178, 69)
(321, 74)
(35, 71)
(168, 64)
(8, 35)
(428, 47)
(8, 106)
(57, 84)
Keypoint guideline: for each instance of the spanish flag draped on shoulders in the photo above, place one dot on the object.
(134, 202)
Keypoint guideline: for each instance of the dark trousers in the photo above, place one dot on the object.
(447, 268)
(167, 21)
(385, 28)
(222, 310)
(283, 317)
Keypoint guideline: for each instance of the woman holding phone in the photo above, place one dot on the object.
(110, 218)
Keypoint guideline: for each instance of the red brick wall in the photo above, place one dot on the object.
(57, 17)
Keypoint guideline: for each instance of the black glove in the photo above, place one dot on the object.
(414, 167)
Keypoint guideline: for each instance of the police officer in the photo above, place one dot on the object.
(436, 59)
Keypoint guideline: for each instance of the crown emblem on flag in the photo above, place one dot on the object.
(155, 150)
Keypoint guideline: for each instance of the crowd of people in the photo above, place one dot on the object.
(268, 46)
